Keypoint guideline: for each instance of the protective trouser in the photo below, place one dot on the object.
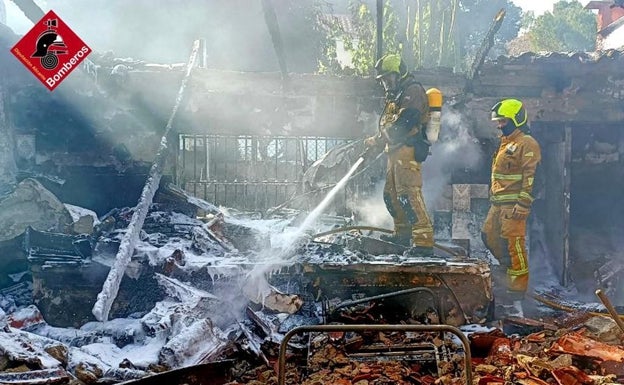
(505, 238)
(403, 197)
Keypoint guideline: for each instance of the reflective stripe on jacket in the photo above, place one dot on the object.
(513, 169)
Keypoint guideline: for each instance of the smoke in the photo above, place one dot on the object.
(160, 31)
(457, 150)
(543, 275)
(3, 19)
(372, 209)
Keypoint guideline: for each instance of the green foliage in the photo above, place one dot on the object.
(569, 27)
(427, 33)
(360, 41)
(362, 51)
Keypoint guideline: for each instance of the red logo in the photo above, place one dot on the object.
(51, 50)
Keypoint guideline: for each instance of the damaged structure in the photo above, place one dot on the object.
(225, 279)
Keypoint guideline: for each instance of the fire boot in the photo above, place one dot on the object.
(420, 252)
(513, 309)
(403, 239)
(511, 304)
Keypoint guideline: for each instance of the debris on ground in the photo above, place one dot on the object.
(198, 297)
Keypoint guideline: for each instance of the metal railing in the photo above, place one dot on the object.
(248, 172)
(382, 328)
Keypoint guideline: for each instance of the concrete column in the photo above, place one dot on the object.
(467, 217)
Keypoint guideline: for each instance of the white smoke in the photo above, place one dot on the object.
(457, 149)
(372, 210)
(3, 19)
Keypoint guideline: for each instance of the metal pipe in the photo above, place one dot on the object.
(436, 300)
(605, 301)
(281, 376)
(349, 228)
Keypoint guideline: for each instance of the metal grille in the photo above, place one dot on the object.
(248, 172)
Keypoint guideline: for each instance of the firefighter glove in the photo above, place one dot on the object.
(520, 212)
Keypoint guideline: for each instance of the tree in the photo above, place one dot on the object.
(474, 20)
(428, 33)
(569, 27)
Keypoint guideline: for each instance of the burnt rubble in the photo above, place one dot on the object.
(209, 293)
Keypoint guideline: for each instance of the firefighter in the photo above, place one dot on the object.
(402, 134)
(513, 172)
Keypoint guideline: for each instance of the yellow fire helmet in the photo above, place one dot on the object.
(390, 63)
(511, 109)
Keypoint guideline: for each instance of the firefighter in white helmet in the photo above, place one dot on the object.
(403, 134)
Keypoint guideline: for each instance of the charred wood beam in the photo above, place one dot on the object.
(181, 291)
(605, 301)
(201, 341)
(110, 288)
(486, 44)
(270, 17)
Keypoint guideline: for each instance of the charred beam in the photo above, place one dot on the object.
(605, 301)
(110, 288)
(486, 44)
(30, 9)
(270, 17)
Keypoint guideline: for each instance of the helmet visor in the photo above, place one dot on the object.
(496, 116)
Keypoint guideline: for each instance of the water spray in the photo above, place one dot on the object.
(318, 210)
(256, 285)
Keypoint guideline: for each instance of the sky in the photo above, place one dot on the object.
(539, 6)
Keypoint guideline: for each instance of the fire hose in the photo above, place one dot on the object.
(434, 298)
(326, 187)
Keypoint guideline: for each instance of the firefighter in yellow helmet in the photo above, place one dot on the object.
(513, 172)
(402, 134)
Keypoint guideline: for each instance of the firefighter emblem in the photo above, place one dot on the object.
(49, 46)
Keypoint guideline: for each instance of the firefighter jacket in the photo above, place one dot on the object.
(404, 118)
(513, 169)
